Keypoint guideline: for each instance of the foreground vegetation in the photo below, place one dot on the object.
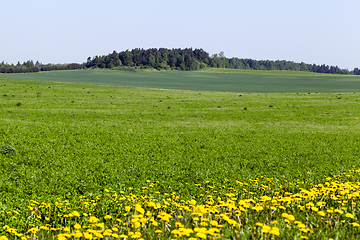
(262, 208)
(81, 160)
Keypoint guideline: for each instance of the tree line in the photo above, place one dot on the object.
(175, 59)
(29, 67)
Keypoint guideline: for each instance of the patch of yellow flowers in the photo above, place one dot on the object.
(256, 209)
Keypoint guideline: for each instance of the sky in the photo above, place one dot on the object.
(310, 31)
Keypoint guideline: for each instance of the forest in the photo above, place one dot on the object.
(187, 59)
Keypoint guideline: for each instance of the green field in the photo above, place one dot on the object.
(206, 80)
(68, 131)
(78, 139)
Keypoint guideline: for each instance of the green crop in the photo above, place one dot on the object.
(235, 80)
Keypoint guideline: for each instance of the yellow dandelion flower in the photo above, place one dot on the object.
(201, 235)
(265, 229)
(75, 214)
(321, 213)
(77, 226)
(315, 209)
(115, 235)
(290, 217)
(93, 219)
(274, 231)
(338, 211)
(214, 223)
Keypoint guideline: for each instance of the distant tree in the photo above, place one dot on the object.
(151, 60)
(356, 71)
(126, 58)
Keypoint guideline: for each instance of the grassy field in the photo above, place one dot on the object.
(206, 80)
(116, 148)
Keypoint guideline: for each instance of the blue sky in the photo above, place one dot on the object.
(312, 31)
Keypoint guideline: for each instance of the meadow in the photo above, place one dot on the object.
(90, 161)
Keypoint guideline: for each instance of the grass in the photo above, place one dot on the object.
(205, 80)
(74, 140)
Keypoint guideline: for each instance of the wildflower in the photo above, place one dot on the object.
(75, 214)
(100, 225)
(214, 223)
(265, 229)
(192, 202)
(88, 235)
(61, 237)
(274, 231)
(338, 211)
(349, 215)
(315, 209)
(107, 217)
(201, 235)
(77, 226)
(321, 213)
(291, 217)
(93, 219)
(355, 224)
(32, 230)
(78, 234)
